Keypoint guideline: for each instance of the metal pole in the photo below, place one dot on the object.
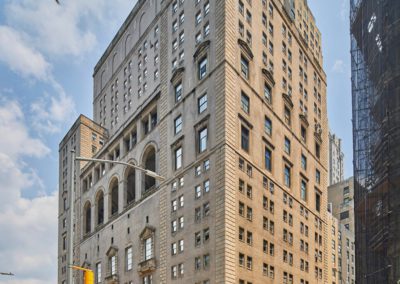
(70, 259)
(147, 172)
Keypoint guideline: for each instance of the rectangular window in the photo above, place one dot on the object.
(344, 215)
(129, 258)
(268, 126)
(287, 175)
(206, 186)
(98, 272)
(203, 140)
(178, 124)
(317, 150)
(197, 191)
(267, 93)
(317, 176)
(268, 159)
(206, 29)
(245, 102)
(241, 234)
(317, 201)
(245, 138)
(178, 158)
(113, 263)
(244, 63)
(303, 162)
(303, 134)
(206, 8)
(287, 146)
(178, 92)
(202, 68)
(198, 18)
(202, 103)
(303, 190)
(287, 116)
(148, 248)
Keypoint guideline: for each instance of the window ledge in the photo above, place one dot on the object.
(147, 266)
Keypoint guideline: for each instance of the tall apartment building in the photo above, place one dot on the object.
(333, 249)
(341, 196)
(341, 205)
(215, 97)
(336, 159)
(375, 30)
(85, 137)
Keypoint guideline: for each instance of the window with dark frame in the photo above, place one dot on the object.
(245, 102)
(203, 140)
(244, 67)
(202, 65)
(245, 133)
(202, 103)
(268, 159)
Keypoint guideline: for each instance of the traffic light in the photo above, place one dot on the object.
(88, 275)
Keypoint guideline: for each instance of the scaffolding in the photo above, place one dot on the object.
(375, 55)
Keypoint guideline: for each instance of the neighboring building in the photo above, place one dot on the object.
(375, 31)
(336, 159)
(341, 204)
(333, 248)
(346, 253)
(86, 138)
(215, 97)
(341, 196)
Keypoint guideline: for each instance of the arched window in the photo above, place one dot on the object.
(114, 197)
(100, 208)
(114, 63)
(87, 217)
(149, 164)
(130, 186)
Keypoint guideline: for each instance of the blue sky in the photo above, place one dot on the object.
(47, 56)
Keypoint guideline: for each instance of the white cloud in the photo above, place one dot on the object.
(53, 28)
(50, 113)
(15, 140)
(28, 242)
(338, 66)
(20, 56)
(74, 23)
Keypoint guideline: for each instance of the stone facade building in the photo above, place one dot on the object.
(336, 159)
(341, 196)
(85, 137)
(341, 203)
(227, 101)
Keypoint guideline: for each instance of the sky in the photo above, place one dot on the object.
(47, 56)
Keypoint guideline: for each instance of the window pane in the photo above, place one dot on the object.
(202, 68)
(245, 67)
(245, 103)
(268, 162)
(178, 124)
(245, 139)
(203, 140)
(178, 158)
(202, 103)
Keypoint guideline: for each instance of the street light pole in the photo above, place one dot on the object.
(147, 172)
(72, 203)
(70, 260)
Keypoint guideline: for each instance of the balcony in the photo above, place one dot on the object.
(111, 279)
(147, 266)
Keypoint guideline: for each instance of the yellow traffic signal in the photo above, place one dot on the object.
(88, 275)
